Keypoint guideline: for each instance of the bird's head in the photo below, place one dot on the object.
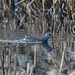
(48, 35)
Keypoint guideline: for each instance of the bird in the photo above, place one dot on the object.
(43, 41)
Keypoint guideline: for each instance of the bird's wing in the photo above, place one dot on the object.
(33, 38)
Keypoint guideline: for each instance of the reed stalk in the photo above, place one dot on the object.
(31, 70)
(35, 59)
(7, 60)
(10, 56)
(43, 2)
(43, 27)
(62, 60)
(15, 64)
(4, 7)
(3, 61)
(0, 66)
(28, 66)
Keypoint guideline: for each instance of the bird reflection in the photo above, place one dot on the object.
(43, 41)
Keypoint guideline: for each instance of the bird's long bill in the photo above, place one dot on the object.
(53, 36)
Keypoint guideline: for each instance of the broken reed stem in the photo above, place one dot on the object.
(43, 27)
(36, 18)
(15, 64)
(49, 10)
(3, 60)
(9, 71)
(59, 1)
(53, 7)
(52, 23)
(21, 21)
(20, 2)
(31, 70)
(9, 14)
(30, 3)
(43, 2)
(71, 41)
(0, 66)
(4, 8)
(9, 3)
(54, 17)
(9, 56)
(61, 47)
(74, 45)
(7, 60)
(68, 26)
(62, 60)
(35, 58)
(27, 68)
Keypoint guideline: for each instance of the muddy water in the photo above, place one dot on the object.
(25, 54)
(45, 62)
